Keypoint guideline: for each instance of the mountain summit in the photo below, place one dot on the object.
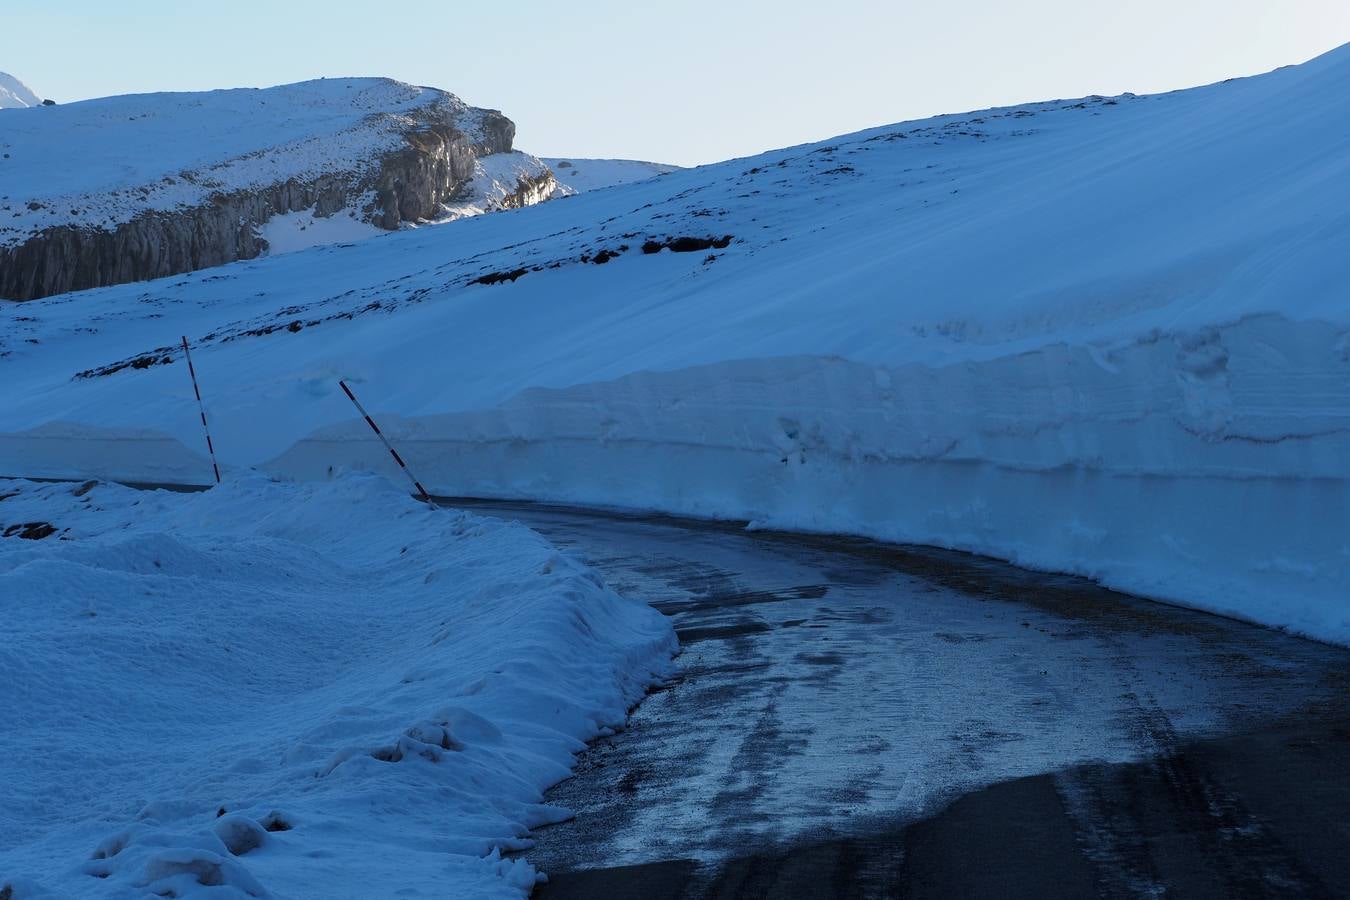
(14, 94)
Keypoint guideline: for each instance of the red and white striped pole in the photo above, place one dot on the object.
(421, 491)
(187, 354)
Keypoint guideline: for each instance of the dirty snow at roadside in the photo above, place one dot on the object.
(269, 689)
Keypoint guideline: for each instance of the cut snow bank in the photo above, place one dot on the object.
(1146, 466)
(319, 690)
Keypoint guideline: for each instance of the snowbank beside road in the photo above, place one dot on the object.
(1143, 466)
(321, 690)
(1107, 336)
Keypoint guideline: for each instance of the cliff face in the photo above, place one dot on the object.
(439, 161)
(435, 153)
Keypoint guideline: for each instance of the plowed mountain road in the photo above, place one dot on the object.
(859, 720)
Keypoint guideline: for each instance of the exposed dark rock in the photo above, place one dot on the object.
(498, 277)
(31, 531)
(687, 244)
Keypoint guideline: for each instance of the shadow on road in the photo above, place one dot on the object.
(1252, 815)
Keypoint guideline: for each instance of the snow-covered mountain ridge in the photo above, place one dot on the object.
(135, 187)
(592, 174)
(14, 94)
(1107, 336)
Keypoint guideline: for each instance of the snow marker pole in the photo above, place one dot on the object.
(421, 491)
(187, 354)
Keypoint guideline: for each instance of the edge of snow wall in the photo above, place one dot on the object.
(1209, 469)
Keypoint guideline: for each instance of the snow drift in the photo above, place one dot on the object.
(1107, 336)
(268, 689)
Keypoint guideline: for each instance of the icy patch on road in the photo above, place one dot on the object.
(322, 690)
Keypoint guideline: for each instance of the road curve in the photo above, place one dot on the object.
(860, 720)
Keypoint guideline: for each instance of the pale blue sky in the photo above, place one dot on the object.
(684, 82)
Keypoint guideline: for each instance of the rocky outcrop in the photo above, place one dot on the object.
(405, 185)
(531, 190)
(439, 161)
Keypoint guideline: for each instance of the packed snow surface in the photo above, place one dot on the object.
(144, 152)
(1108, 336)
(581, 175)
(324, 690)
(14, 94)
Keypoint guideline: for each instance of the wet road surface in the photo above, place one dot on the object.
(860, 720)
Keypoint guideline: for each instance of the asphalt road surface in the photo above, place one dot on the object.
(859, 720)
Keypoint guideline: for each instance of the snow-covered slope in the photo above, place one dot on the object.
(590, 174)
(14, 94)
(1107, 336)
(126, 188)
(272, 690)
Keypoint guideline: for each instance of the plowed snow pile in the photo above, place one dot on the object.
(300, 691)
(1108, 336)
